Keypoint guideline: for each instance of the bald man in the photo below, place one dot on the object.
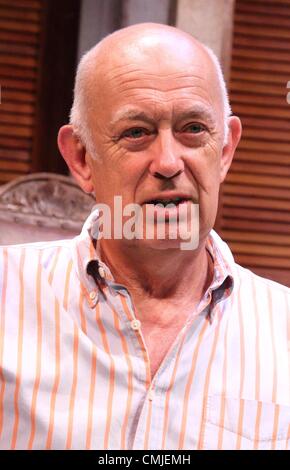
(132, 335)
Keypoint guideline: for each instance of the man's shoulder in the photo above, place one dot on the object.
(36, 246)
(10, 255)
(247, 276)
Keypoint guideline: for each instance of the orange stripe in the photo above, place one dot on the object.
(207, 381)
(2, 330)
(82, 315)
(242, 345)
(91, 398)
(141, 344)
(130, 376)
(19, 351)
(257, 425)
(288, 437)
(224, 389)
(275, 427)
(242, 373)
(38, 354)
(257, 378)
(148, 425)
(73, 388)
(56, 377)
(222, 422)
(167, 399)
(274, 352)
(92, 250)
(188, 385)
(240, 424)
(51, 274)
(67, 280)
(112, 376)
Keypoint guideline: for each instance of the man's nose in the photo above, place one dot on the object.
(167, 161)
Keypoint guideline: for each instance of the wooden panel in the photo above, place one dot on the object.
(265, 157)
(38, 41)
(12, 143)
(260, 169)
(257, 180)
(255, 225)
(248, 6)
(29, 15)
(23, 4)
(12, 165)
(255, 199)
(258, 237)
(20, 26)
(21, 37)
(17, 155)
(256, 191)
(17, 119)
(263, 260)
(21, 108)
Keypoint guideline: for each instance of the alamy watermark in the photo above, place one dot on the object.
(288, 94)
(170, 221)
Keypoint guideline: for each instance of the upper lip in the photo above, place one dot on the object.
(167, 196)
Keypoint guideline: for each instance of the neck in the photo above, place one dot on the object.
(158, 274)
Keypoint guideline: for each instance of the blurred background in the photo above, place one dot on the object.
(41, 42)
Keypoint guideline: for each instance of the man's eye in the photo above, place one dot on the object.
(194, 128)
(135, 133)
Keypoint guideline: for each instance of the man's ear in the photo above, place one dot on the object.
(234, 135)
(74, 153)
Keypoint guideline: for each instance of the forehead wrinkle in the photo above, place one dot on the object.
(160, 75)
(184, 80)
(150, 91)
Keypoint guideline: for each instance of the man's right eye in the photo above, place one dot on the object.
(135, 133)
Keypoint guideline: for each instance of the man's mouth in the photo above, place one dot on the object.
(170, 201)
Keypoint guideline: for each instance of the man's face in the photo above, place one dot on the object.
(157, 129)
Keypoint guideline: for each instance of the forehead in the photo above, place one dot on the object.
(159, 79)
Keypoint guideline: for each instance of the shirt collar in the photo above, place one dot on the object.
(86, 250)
(222, 283)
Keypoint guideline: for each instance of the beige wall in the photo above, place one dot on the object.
(208, 20)
(211, 22)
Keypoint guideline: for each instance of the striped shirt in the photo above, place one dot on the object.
(75, 371)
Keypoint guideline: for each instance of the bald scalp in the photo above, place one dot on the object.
(147, 43)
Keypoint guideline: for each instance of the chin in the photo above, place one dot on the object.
(166, 244)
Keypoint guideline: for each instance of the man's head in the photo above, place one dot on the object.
(151, 120)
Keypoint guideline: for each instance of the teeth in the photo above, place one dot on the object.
(165, 202)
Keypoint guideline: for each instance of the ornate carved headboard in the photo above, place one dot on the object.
(42, 206)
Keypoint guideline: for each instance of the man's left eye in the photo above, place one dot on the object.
(194, 128)
(135, 133)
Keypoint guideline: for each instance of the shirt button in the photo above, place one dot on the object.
(93, 295)
(135, 325)
(150, 394)
(101, 271)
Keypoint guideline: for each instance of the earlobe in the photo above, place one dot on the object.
(234, 135)
(74, 153)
